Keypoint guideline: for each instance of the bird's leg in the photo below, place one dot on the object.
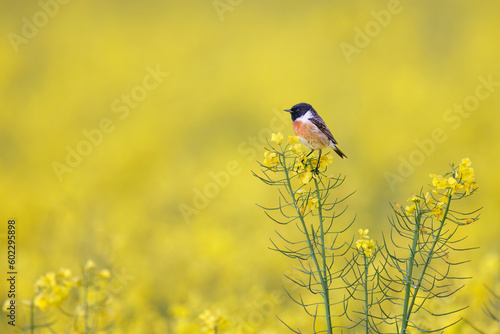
(317, 165)
(302, 160)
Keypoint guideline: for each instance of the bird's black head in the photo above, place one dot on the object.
(299, 110)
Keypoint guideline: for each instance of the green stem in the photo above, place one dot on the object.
(32, 316)
(310, 244)
(85, 301)
(324, 282)
(409, 273)
(426, 264)
(367, 323)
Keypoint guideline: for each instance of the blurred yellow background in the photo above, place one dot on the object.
(129, 131)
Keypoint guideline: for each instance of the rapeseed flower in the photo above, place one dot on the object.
(439, 181)
(311, 204)
(271, 159)
(365, 244)
(323, 162)
(414, 199)
(104, 273)
(293, 139)
(296, 149)
(305, 177)
(211, 322)
(89, 265)
(462, 179)
(298, 193)
(52, 289)
(410, 210)
(277, 138)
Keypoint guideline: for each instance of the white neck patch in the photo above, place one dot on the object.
(306, 117)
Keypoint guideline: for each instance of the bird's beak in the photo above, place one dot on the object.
(288, 110)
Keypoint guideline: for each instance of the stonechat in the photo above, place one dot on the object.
(312, 130)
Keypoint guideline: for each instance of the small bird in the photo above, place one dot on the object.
(312, 130)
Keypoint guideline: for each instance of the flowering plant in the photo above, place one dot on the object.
(361, 284)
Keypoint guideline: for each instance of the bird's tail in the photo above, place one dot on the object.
(339, 152)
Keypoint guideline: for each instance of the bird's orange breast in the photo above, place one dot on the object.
(310, 135)
(304, 129)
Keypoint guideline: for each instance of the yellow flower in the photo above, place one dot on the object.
(369, 252)
(466, 175)
(465, 163)
(89, 265)
(59, 293)
(370, 249)
(469, 221)
(64, 272)
(410, 210)
(67, 284)
(438, 210)
(305, 177)
(453, 185)
(298, 193)
(46, 281)
(363, 233)
(428, 198)
(52, 289)
(179, 311)
(277, 138)
(296, 149)
(469, 187)
(325, 160)
(438, 181)
(462, 180)
(293, 139)
(443, 200)
(368, 246)
(451, 181)
(77, 281)
(312, 203)
(211, 323)
(41, 302)
(104, 273)
(414, 199)
(271, 159)
(300, 163)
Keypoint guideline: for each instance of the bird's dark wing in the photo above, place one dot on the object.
(320, 124)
